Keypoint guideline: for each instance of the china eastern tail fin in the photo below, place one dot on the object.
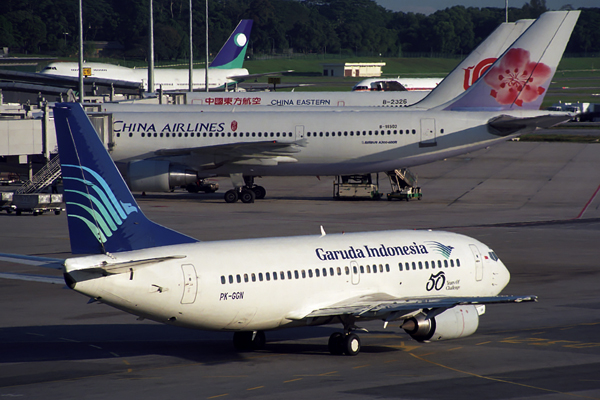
(102, 214)
(471, 68)
(233, 51)
(519, 79)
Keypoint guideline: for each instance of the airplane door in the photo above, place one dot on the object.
(427, 132)
(190, 284)
(355, 272)
(299, 132)
(478, 262)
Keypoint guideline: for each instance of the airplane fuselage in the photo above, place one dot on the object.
(248, 285)
(321, 143)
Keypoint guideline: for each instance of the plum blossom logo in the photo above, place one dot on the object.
(517, 79)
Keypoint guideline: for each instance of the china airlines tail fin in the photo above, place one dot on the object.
(233, 52)
(475, 65)
(519, 79)
(103, 216)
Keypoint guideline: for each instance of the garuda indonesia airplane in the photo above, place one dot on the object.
(434, 284)
(159, 150)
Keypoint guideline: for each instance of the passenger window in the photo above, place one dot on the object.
(420, 265)
(303, 274)
(339, 271)
(238, 278)
(380, 268)
(274, 276)
(362, 269)
(230, 278)
(245, 277)
(374, 269)
(347, 271)
(407, 266)
(452, 263)
(324, 271)
(457, 262)
(400, 266)
(253, 278)
(433, 265)
(387, 267)
(296, 275)
(260, 276)
(282, 275)
(354, 269)
(317, 272)
(310, 275)
(289, 274)
(439, 264)
(446, 263)
(223, 281)
(331, 271)
(268, 276)
(368, 269)
(414, 266)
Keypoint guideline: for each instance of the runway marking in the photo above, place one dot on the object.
(584, 209)
(547, 342)
(454, 348)
(479, 344)
(293, 380)
(219, 395)
(328, 373)
(126, 362)
(496, 379)
(254, 388)
(361, 366)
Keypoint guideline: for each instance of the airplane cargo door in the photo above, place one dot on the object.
(299, 132)
(478, 262)
(190, 284)
(427, 133)
(355, 273)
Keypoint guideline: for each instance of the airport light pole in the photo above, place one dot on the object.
(191, 81)
(151, 52)
(81, 89)
(206, 69)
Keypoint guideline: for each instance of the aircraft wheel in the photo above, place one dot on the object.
(242, 341)
(336, 343)
(231, 196)
(260, 192)
(259, 341)
(351, 344)
(247, 196)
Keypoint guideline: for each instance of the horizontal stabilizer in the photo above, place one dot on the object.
(57, 280)
(126, 266)
(505, 125)
(44, 262)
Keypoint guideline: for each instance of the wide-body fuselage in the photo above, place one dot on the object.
(321, 142)
(252, 285)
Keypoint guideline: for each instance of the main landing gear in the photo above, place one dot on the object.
(340, 343)
(247, 191)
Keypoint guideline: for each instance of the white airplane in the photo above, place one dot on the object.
(435, 284)
(454, 84)
(397, 84)
(160, 150)
(225, 70)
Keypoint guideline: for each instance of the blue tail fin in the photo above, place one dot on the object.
(102, 213)
(233, 51)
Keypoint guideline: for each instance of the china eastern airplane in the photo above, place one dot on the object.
(434, 284)
(225, 70)
(160, 150)
(459, 80)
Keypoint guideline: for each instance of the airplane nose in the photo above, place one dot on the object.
(502, 275)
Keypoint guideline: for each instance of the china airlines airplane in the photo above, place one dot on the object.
(225, 70)
(160, 150)
(434, 284)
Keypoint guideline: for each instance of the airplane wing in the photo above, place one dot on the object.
(267, 151)
(45, 262)
(390, 309)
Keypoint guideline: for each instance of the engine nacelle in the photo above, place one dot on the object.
(453, 323)
(157, 175)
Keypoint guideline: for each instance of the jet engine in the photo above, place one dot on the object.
(453, 323)
(158, 175)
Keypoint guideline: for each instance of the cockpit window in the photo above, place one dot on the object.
(493, 256)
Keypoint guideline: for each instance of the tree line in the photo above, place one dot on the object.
(346, 27)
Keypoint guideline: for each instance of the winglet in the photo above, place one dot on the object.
(233, 52)
(102, 213)
(519, 79)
